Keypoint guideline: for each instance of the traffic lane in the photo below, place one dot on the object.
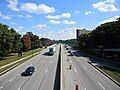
(86, 80)
(98, 76)
(34, 82)
(49, 80)
(47, 75)
(9, 78)
(14, 72)
(19, 79)
(71, 80)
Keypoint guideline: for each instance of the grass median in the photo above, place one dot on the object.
(115, 74)
(14, 58)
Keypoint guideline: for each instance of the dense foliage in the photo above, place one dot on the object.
(13, 42)
(104, 36)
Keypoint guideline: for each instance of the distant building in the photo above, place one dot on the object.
(79, 32)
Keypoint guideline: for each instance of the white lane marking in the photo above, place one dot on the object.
(19, 88)
(70, 61)
(43, 61)
(13, 78)
(1, 87)
(10, 80)
(101, 86)
(85, 89)
(85, 68)
(46, 71)
(50, 61)
(75, 70)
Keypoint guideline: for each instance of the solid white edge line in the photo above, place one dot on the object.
(85, 68)
(19, 88)
(75, 70)
(1, 87)
(101, 86)
(46, 71)
(85, 89)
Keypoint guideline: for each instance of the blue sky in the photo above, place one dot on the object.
(57, 19)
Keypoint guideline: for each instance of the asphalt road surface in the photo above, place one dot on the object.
(42, 79)
(87, 77)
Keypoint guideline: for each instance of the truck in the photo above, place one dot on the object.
(52, 50)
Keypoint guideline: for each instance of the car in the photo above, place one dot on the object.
(29, 71)
(71, 54)
(69, 51)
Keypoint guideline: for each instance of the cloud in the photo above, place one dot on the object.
(13, 5)
(40, 27)
(20, 15)
(29, 16)
(62, 22)
(62, 16)
(62, 34)
(77, 12)
(106, 6)
(68, 22)
(110, 19)
(55, 22)
(38, 9)
(89, 12)
(4, 16)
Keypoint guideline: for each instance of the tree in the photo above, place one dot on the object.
(35, 41)
(26, 42)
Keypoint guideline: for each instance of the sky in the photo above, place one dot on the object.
(57, 19)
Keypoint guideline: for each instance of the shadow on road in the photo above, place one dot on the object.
(47, 54)
(57, 76)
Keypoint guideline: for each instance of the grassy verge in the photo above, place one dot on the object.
(115, 74)
(12, 58)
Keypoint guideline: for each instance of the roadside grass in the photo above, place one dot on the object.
(115, 74)
(12, 58)
(15, 58)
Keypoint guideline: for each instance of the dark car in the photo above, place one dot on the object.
(69, 51)
(29, 71)
(71, 54)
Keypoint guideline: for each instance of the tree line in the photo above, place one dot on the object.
(106, 35)
(13, 42)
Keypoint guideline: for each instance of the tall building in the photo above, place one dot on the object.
(79, 32)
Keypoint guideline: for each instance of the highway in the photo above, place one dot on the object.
(85, 76)
(43, 78)
(75, 71)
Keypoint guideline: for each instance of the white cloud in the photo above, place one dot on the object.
(68, 22)
(39, 9)
(40, 27)
(13, 5)
(106, 6)
(29, 16)
(20, 27)
(4, 16)
(60, 35)
(62, 16)
(89, 12)
(20, 15)
(13, 23)
(77, 12)
(55, 22)
(110, 19)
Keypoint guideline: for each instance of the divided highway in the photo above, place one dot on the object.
(42, 79)
(77, 73)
